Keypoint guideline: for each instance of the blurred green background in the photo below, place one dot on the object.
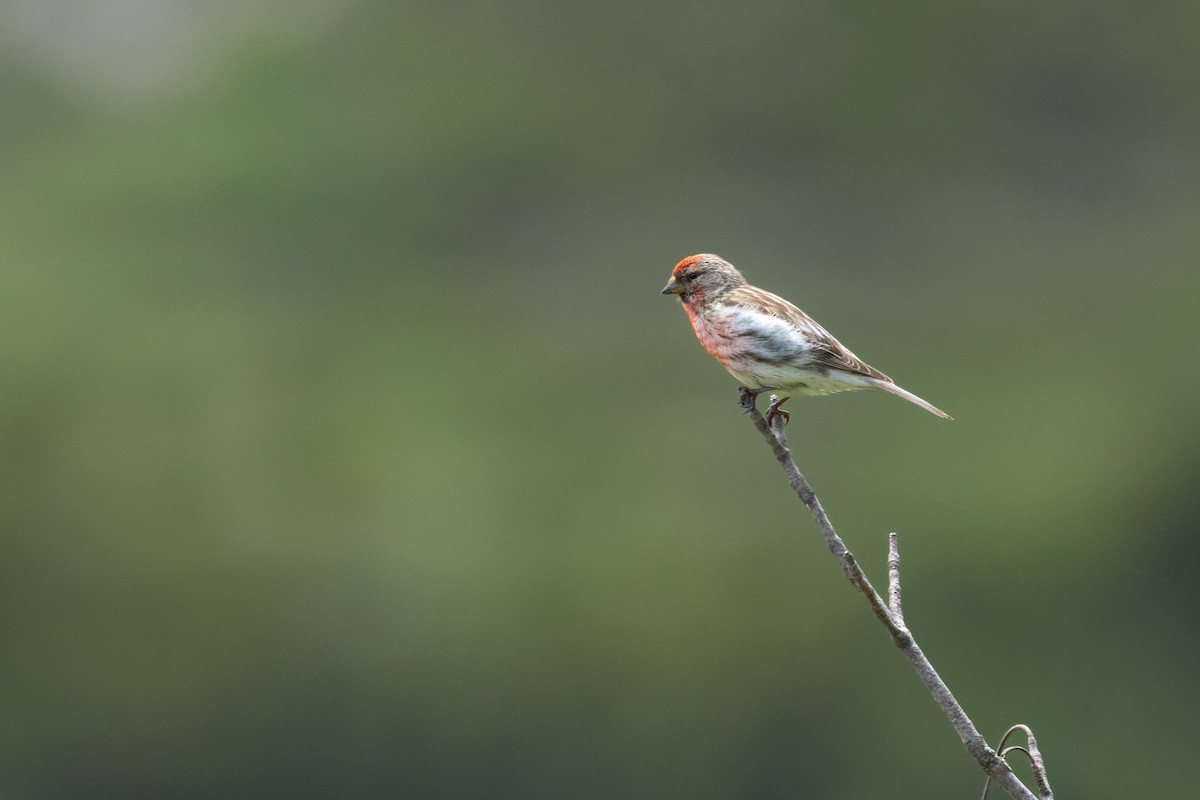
(349, 449)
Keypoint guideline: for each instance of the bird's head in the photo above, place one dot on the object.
(703, 277)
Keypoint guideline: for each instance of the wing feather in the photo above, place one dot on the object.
(827, 351)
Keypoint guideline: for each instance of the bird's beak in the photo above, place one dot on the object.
(672, 287)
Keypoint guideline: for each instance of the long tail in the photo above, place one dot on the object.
(892, 388)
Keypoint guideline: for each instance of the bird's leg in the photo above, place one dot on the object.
(749, 397)
(774, 410)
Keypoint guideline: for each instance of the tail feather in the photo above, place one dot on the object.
(892, 388)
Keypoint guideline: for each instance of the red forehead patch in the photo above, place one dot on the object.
(687, 262)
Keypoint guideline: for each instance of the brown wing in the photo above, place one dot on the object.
(827, 352)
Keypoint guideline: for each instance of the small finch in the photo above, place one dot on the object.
(765, 341)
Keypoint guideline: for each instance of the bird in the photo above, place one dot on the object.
(766, 342)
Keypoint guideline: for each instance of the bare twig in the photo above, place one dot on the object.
(1035, 761)
(890, 616)
(894, 577)
(1039, 765)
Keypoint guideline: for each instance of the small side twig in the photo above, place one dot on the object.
(889, 613)
(894, 577)
(1031, 752)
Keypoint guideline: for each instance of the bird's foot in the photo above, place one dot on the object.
(774, 410)
(748, 398)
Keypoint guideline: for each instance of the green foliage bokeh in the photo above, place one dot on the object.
(348, 448)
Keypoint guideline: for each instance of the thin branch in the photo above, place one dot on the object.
(992, 764)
